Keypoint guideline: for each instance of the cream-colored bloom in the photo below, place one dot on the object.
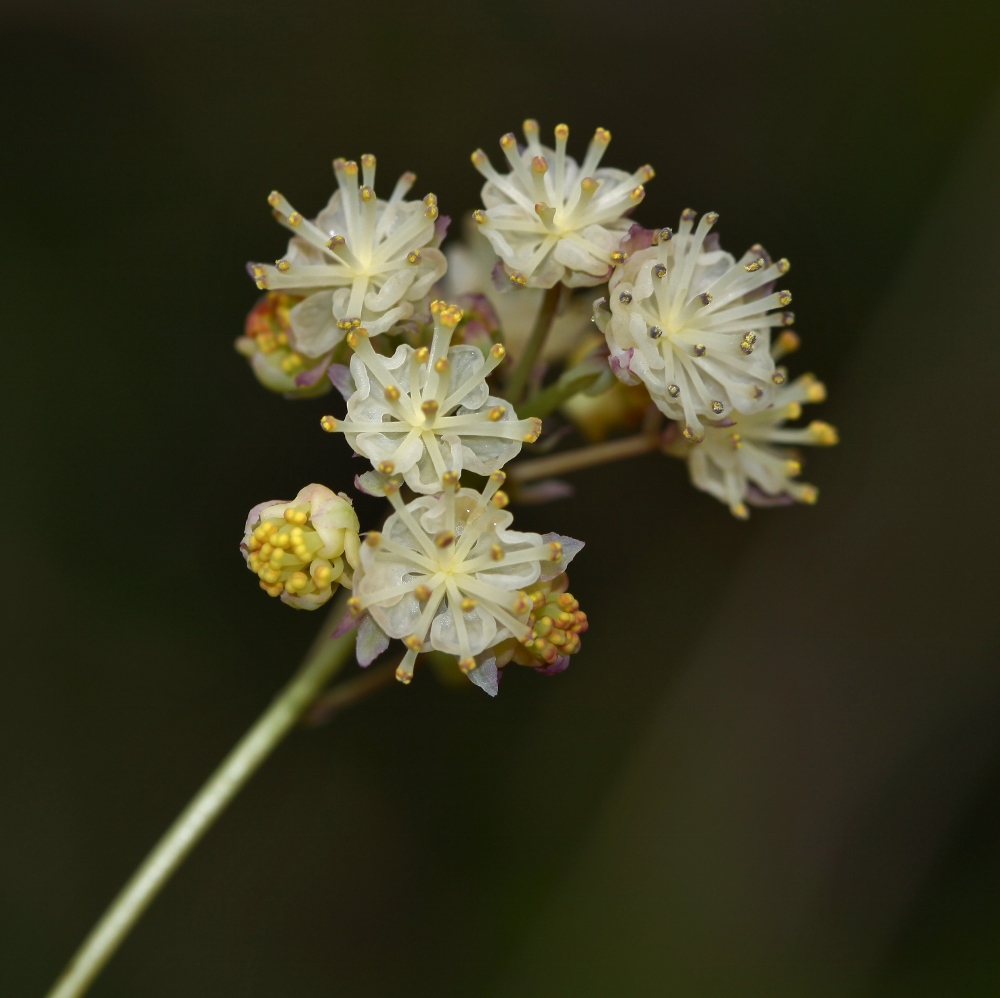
(360, 261)
(448, 574)
(750, 462)
(694, 325)
(424, 412)
(551, 220)
(298, 548)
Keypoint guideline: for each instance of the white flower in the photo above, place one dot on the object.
(550, 220)
(694, 325)
(447, 574)
(361, 260)
(298, 548)
(747, 462)
(425, 412)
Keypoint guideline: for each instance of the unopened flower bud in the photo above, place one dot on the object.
(298, 549)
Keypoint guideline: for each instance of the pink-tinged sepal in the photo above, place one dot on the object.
(561, 664)
(372, 641)
(621, 365)
(638, 238)
(340, 377)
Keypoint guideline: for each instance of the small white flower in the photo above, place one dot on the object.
(694, 325)
(361, 260)
(748, 462)
(422, 413)
(550, 220)
(447, 574)
(298, 548)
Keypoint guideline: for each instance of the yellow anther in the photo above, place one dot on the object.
(297, 582)
(735, 441)
(746, 345)
(647, 172)
(544, 626)
(793, 468)
(496, 413)
(538, 599)
(479, 216)
(451, 317)
(466, 664)
(329, 424)
(539, 165)
(391, 486)
(354, 606)
(386, 467)
(789, 341)
(438, 306)
(272, 590)
(335, 242)
(717, 407)
(793, 410)
(368, 160)
(568, 602)
(496, 552)
(784, 298)
(468, 604)
(283, 265)
(783, 266)
(352, 340)
(413, 642)
(518, 280)
(618, 257)
(778, 378)
(373, 538)
(691, 437)
(322, 574)
(450, 479)
(350, 167)
(740, 511)
(602, 135)
(478, 157)
(421, 355)
(557, 638)
(562, 131)
(274, 199)
(403, 676)
(508, 141)
(500, 499)
(444, 539)
(366, 194)
(413, 256)
(817, 392)
(498, 351)
(688, 215)
(824, 433)
(756, 391)
(637, 193)
(431, 212)
(282, 540)
(754, 265)
(298, 517)
(430, 199)
(810, 494)
(555, 551)
(391, 393)
(295, 219)
(535, 432)
(429, 408)
(498, 477)
(422, 592)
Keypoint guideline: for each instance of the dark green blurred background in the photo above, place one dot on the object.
(775, 768)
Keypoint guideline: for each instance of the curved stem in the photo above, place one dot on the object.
(583, 457)
(526, 362)
(323, 660)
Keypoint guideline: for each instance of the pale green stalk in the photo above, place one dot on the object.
(514, 389)
(324, 659)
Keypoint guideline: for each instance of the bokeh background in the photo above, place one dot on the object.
(775, 768)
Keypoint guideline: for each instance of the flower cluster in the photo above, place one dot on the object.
(431, 369)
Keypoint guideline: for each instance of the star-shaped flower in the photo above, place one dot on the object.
(448, 574)
(424, 412)
(693, 324)
(550, 220)
(360, 261)
(750, 462)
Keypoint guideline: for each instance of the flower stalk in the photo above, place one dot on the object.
(533, 349)
(322, 662)
(533, 469)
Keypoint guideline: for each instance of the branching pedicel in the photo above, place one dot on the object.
(441, 396)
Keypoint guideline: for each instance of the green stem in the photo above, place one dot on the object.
(323, 660)
(526, 362)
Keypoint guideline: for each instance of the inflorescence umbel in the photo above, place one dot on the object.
(446, 376)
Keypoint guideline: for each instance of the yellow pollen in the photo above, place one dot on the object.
(421, 355)
(496, 552)
(391, 393)
(824, 433)
(274, 199)
(498, 351)
(784, 298)
(450, 479)
(413, 256)
(555, 551)
(386, 467)
(519, 280)
(468, 604)
(618, 257)
(441, 365)
(329, 424)
(295, 219)
(403, 676)
(466, 664)
(496, 413)
(500, 499)
(366, 194)
(778, 378)
(498, 477)
(479, 216)
(283, 265)
(810, 494)
(373, 538)
(429, 408)
(354, 606)
(413, 642)
(444, 539)
(422, 592)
